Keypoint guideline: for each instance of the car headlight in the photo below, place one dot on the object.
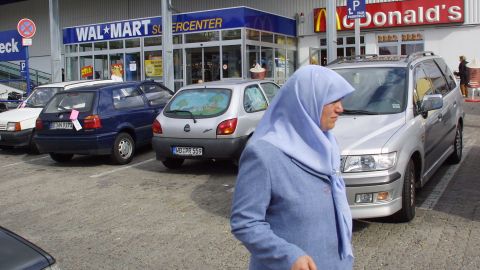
(366, 163)
(13, 126)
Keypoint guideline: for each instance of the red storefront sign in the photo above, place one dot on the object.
(396, 14)
(86, 71)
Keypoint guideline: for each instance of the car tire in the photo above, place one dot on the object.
(61, 157)
(173, 163)
(456, 156)
(407, 213)
(33, 149)
(123, 149)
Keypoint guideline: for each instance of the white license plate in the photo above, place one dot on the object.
(187, 151)
(61, 125)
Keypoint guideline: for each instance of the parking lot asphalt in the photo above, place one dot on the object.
(90, 214)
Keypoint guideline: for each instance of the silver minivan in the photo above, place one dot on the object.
(399, 126)
(210, 120)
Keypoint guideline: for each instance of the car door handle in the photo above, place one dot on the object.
(455, 104)
(440, 117)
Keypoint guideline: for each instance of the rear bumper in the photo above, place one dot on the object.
(16, 138)
(82, 145)
(212, 148)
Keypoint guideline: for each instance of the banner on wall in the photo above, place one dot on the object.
(154, 68)
(86, 71)
(396, 14)
(11, 48)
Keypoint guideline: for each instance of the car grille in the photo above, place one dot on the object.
(3, 126)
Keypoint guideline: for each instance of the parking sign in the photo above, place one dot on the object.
(355, 9)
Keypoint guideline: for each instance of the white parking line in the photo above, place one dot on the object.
(21, 162)
(121, 168)
(437, 192)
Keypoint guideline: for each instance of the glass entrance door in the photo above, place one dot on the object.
(203, 64)
(132, 66)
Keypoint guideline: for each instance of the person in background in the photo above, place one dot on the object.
(289, 207)
(462, 73)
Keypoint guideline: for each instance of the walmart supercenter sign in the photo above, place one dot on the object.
(396, 14)
(11, 48)
(182, 23)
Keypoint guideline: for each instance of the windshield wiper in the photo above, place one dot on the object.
(359, 112)
(183, 111)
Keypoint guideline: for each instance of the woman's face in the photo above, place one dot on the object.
(330, 115)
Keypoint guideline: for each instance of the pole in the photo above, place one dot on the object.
(27, 71)
(331, 30)
(357, 37)
(167, 44)
(55, 45)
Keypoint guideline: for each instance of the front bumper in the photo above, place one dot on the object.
(16, 138)
(212, 148)
(374, 182)
(100, 144)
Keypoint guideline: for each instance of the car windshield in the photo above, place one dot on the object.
(202, 102)
(40, 96)
(377, 90)
(68, 101)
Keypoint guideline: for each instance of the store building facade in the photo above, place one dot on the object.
(447, 27)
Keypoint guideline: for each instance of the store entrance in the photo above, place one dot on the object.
(203, 64)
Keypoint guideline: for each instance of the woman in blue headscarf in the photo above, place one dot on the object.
(290, 208)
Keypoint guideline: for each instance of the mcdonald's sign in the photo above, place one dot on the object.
(320, 20)
(396, 14)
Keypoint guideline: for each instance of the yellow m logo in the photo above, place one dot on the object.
(320, 19)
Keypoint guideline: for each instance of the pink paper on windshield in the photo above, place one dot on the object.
(22, 105)
(74, 115)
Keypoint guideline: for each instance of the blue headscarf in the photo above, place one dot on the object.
(292, 124)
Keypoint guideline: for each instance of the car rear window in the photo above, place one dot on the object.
(40, 96)
(379, 90)
(202, 103)
(63, 102)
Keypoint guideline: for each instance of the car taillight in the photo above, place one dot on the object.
(39, 124)
(156, 127)
(92, 121)
(227, 127)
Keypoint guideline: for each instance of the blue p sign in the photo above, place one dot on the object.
(356, 9)
(22, 67)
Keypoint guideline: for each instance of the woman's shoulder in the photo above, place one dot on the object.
(263, 149)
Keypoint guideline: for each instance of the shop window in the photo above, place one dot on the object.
(72, 68)
(132, 66)
(350, 40)
(340, 52)
(116, 44)
(86, 67)
(85, 47)
(280, 65)
(100, 67)
(232, 61)
(400, 43)
(253, 34)
(178, 64)
(411, 48)
(340, 41)
(177, 39)
(291, 62)
(323, 42)
(132, 43)
(291, 41)
(153, 65)
(116, 66)
(266, 61)
(152, 41)
(388, 50)
(231, 34)
(202, 37)
(279, 39)
(267, 37)
(253, 56)
(71, 48)
(100, 46)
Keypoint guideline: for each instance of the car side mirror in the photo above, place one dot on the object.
(430, 103)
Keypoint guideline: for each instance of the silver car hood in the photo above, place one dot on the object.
(366, 134)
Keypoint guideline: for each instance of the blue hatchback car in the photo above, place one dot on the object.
(106, 119)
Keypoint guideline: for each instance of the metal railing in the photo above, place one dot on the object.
(10, 75)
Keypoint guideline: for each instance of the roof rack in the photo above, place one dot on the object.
(416, 55)
(352, 57)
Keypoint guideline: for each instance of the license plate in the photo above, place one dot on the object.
(61, 125)
(187, 151)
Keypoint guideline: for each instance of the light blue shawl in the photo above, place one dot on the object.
(292, 123)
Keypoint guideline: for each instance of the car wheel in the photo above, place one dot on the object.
(33, 146)
(407, 212)
(456, 156)
(173, 163)
(61, 157)
(123, 149)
